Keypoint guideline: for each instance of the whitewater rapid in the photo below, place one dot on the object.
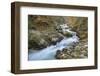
(50, 52)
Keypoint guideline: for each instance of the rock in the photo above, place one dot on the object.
(78, 24)
(78, 51)
(60, 55)
(67, 34)
(39, 40)
(64, 29)
(36, 41)
(64, 54)
(56, 40)
(44, 31)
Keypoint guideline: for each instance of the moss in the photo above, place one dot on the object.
(68, 34)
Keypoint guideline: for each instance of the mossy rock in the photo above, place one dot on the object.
(68, 34)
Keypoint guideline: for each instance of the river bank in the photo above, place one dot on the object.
(57, 37)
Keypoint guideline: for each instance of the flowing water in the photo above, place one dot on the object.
(50, 52)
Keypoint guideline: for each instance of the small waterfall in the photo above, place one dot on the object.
(50, 52)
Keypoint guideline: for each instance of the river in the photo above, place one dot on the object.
(50, 52)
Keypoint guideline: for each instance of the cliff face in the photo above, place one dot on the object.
(80, 25)
(44, 31)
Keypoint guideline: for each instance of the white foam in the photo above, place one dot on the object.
(50, 51)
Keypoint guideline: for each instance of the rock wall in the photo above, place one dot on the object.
(78, 24)
(44, 31)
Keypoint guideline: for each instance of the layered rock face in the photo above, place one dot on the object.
(39, 40)
(44, 31)
(79, 25)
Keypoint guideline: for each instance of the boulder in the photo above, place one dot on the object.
(78, 51)
(36, 41)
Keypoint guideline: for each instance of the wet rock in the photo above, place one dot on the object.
(78, 51)
(55, 40)
(39, 40)
(78, 24)
(42, 31)
(36, 41)
(67, 34)
(60, 55)
(48, 30)
(64, 29)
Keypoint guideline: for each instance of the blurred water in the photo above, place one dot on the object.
(50, 52)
